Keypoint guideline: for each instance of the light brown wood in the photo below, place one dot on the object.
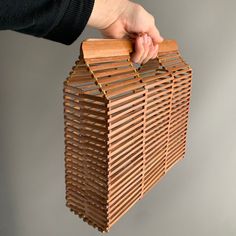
(93, 48)
(125, 128)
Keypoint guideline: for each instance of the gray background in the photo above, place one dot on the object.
(198, 197)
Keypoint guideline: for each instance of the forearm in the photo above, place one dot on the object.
(105, 12)
(64, 20)
(61, 21)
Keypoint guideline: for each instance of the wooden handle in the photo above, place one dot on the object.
(93, 48)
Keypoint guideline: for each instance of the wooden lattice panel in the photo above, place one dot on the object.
(124, 127)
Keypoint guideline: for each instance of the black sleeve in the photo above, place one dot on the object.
(58, 20)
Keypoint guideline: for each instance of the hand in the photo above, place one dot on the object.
(125, 19)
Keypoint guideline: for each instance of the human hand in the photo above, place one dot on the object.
(125, 19)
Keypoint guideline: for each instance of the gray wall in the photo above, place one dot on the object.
(198, 197)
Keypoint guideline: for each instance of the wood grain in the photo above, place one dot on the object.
(125, 128)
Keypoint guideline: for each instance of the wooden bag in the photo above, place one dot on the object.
(124, 127)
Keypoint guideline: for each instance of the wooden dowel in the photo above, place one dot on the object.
(93, 48)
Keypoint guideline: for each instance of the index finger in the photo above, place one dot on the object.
(155, 35)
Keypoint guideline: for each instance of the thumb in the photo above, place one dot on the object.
(155, 35)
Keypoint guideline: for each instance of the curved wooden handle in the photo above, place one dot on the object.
(93, 48)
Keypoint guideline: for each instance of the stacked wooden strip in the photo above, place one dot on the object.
(85, 156)
(182, 80)
(158, 83)
(122, 86)
(124, 128)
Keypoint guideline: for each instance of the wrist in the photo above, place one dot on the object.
(106, 12)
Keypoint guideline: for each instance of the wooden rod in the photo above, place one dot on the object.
(93, 48)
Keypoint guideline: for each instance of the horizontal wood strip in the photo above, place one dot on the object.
(116, 78)
(97, 67)
(123, 89)
(113, 72)
(125, 127)
(117, 102)
(114, 162)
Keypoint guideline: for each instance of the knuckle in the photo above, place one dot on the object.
(138, 8)
(152, 19)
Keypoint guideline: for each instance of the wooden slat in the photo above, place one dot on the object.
(110, 47)
(125, 128)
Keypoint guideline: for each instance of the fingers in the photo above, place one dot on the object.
(151, 51)
(155, 51)
(138, 50)
(155, 35)
(144, 50)
(147, 42)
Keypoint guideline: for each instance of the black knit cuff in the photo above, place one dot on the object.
(73, 22)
